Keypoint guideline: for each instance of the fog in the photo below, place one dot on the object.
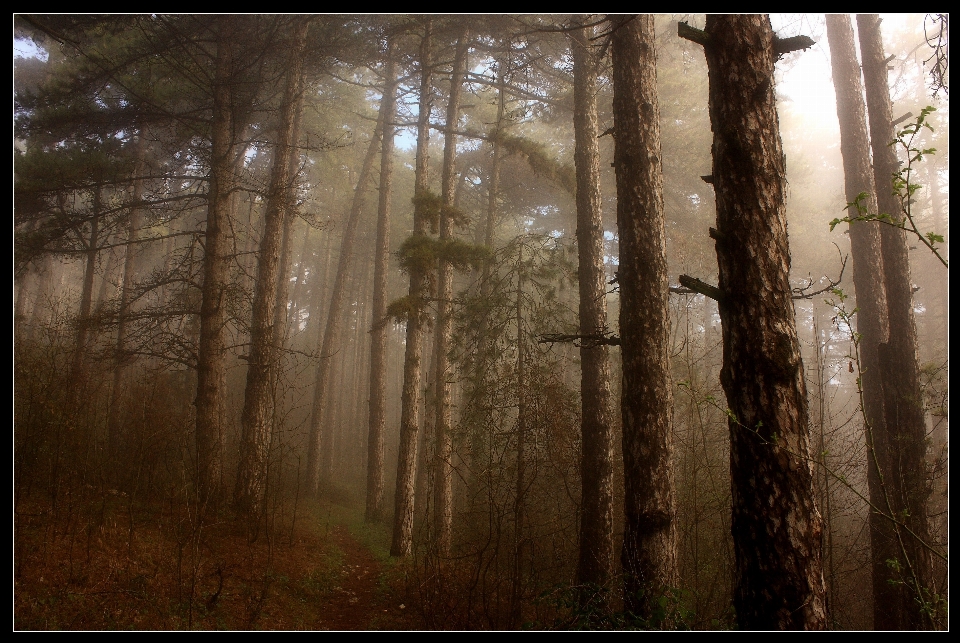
(268, 361)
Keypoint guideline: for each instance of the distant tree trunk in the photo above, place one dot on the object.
(485, 233)
(378, 333)
(256, 417)
(210, 352)
(86, 293)
(319, 283)
(519, 517)
(481, 352)
(131, 250)
(284, 305)
(24, 284)
(778, 582)
(871, 298)
(940, 288)
(320, 453)
(107, 282)
(410, 395)
(595, 566)
(649, 555)
(296, 297)
(906, 482)
(443, 501)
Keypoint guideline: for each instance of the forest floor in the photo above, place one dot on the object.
(108, 563)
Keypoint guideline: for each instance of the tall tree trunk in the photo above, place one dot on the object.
(131, 250)
(475, 404)
(443, 500)
(649, 554)
(281, 317)
(86, 293)
(778, 581)
(519, 517)
(107, 280)
(23, 283)
(378, 333)
(595, 565)
(210, 352)
(256, 417)
(296, 297)
(320, 453)
(402, 543)
(319, 282)
(906, 482)
(871, 296)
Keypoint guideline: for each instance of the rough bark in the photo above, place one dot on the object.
(256, 418)
(443, 489)
(906, 482)
(410, 394)
(283, 300)
(871, 296)
(210, 351)
(297, 295)
(378, 333)
(778, 580)
(596, 558)
(649, 555)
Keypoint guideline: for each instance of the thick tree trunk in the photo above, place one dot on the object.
(871, 296)
(443, 489)
(595, 565)
(402, 543)
(256, 420)
(906, 481)
(378, 333)
(778, 583)
(649, 554)
(210, 352)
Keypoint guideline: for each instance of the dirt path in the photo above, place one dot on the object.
(353, 603)
(361, 599)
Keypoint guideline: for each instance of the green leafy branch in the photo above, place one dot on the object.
(903, 189)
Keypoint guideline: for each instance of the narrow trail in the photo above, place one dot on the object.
(361, 597)
(353, 603)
